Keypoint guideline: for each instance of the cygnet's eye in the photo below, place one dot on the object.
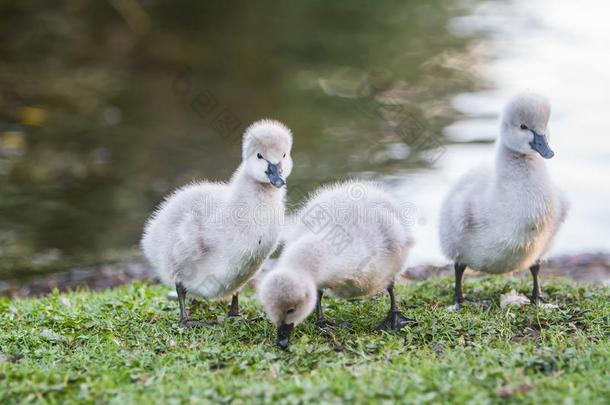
(291, 310)
(258, 155)
(284, 155)
(524, 127)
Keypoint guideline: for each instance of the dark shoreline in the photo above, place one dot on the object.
(586, 267)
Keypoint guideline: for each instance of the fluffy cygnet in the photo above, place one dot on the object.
(351, 240)
(210, 238)
(503, 218)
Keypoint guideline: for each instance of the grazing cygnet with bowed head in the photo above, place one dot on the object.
(210, 238)
(350, 240)
(504, 218)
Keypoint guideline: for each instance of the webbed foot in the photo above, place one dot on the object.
(186, 323)
(536, 300)
(329, 326)
(394, 321)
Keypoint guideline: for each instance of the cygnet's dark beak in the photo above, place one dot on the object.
(541, 145)
(283, 335)
(273, 172)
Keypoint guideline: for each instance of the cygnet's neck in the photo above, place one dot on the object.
(245, 188)
(518, 167)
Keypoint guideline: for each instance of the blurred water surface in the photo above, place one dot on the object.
(559, 48)
(106, 107)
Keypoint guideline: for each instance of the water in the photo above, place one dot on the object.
(104, 110)
(560, 49)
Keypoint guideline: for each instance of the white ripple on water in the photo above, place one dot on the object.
(559, 48)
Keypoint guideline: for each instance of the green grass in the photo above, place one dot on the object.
(123, 346)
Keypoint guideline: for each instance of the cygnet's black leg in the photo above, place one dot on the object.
(536, 297)
(319, 309)
(458, 297)
(184, 316)
(395, 319)
(322, 322)
(234, 310)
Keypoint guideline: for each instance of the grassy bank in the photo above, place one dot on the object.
(123, 346)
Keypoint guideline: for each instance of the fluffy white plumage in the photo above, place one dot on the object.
(503, 218)
(349, 239)
(213, 237)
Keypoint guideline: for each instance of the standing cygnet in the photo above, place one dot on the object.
(210, 238)
(502, 219)
(349, 239)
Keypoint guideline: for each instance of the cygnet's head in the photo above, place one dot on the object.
(266, 152)
(287, 299)
(524, 125)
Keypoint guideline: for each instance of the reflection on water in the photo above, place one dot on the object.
(104, 108)
(107, 106)
(559, 48)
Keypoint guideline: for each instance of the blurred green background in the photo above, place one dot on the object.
(106, 106)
